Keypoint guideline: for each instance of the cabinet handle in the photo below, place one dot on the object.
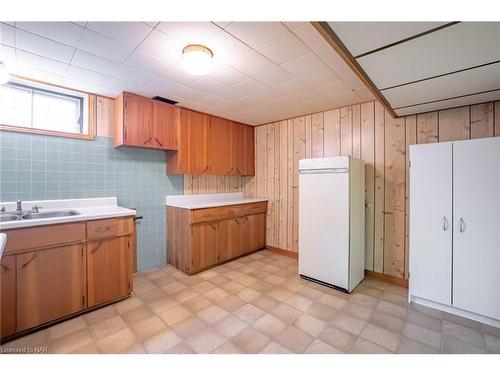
(445, 223)
(102, 229)
(156, 139)
(462, 225)
(237, 221)
(97, 247)
(213, 226)
(29, 261)
(4, 267)
(147, 140)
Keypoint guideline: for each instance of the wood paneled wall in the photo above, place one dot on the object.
(365, 131)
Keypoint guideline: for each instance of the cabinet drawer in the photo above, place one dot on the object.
(102, 229)
(227, 212)
(254, 208)
(39, 237)
(205, 214)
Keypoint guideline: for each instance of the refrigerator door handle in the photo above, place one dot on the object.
(323, 170)
(445, 223)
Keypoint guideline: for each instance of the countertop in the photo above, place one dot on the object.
(90, 209)
(196, 201)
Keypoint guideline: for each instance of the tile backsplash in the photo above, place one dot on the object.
(40, 167)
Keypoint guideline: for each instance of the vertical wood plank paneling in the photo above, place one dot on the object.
(411, 139)
(427, 127)
(317, 135)
(394, 220)
(308, 136)
(211, 184)
(346, 131)
(481, 120)
(299, 152)
(331, 125)
(277, 183)
(497, 119)
(283, 173)
(290, 208)
(261, 160)
(356, 131)
(270, 182)
(378, 244)
(368, 155)
(188, 187)
(454, 124)
(220, 184)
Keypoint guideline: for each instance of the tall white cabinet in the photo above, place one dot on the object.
(455, 227)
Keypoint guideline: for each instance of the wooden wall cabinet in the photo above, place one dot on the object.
(201, 238)
(143, 122)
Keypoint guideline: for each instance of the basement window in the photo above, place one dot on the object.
(31, 107)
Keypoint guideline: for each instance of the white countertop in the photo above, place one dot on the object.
(90, 209)
(196, 201)
(3, 242)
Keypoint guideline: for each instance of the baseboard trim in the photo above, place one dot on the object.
(288, 253)
(387, 278)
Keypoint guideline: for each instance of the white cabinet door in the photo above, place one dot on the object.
(476, 240)
(431, 221)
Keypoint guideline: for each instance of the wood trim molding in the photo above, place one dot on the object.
(329, 35)
(288, 253)
(387, 278)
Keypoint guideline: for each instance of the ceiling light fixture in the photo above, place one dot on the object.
(197, 59)
(4, 74)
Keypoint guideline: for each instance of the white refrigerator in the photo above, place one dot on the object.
(332, 221)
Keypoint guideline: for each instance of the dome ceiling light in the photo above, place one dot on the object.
(197, 59)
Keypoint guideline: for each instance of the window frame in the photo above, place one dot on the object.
(56, 90)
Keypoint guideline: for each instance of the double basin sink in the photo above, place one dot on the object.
(37, 215)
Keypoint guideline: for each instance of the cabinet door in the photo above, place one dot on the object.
(50, 284)
(198, 151)
(165, 126)
(204, 244)
(138, 121)
(254, 232)
(242, 152)
(108, 269)
(476, 240)
(220, 146)
(8, 295)
(431, 221)
(230, 239)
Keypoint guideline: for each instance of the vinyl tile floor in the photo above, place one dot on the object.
(258, 304)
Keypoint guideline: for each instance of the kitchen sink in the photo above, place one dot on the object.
(49, 214)
(8, 218)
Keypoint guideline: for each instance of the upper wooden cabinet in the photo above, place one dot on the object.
(211, 145)
(143, 122)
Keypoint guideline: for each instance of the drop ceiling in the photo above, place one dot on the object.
(263, 71)
(426, 66)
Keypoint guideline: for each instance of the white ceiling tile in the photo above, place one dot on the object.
(311, 69)
(361, 37)
(214, 101)
(207, 84)
(122, 85)
(176, 73)
(163, 87)
(461, 46)
(7, 35)
(227, 92)
(283, 49)
(250, 86)
(338, 93)
(256, 34)
(222, 24)
(82, 24)
(273, 75)
(8, 55)
(39, 75)
(464, 83)
(85, 75)
(190, 32)
(134, 75)
(163, 46)
(345, 73)
(83, 86)
(41, 63)
(152, 23)
(126, 32)
(252, 63)
(364, 94)
(146, 62)
(63, 32)
(227, 48)
(190, 93)
(293, 24)
(296, 89)
(92, 62)
(104, 46)
(225, 74)
(43, 47)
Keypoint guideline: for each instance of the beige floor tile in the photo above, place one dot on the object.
(338, 338)
(372, 292)
(219, 280)
(321, 311)
(216, 294)
(137, 314)
(381, 336)
(463, 333)
(426, 310)
(207, 275)
(231, 303)
(181, 348)
(321, 347)
(196, 304)
(87, 349)
(37, 339)
(279, 294)
(174, 315)
(348, 323)
(143, 286)
(248, 313)
(392, 309)
(148, 327)
(248, 294)
(71, 342)
(452, 345)
(116, 342)
(408, 346)
(212, 314)
(363, 346)
(247, 280)
(173, 287)
(104, 313)
(206, 341)
(265, 303)
(292, 285)
(425, 320)
(162, 341)
(462, 321)
(299, 302)
(153, 295)
(107, 327)
(395, 298)
(191, 280)
(227, 348)
(250, 340)
(310, 324)
(136, 348)
(270, 325)
(185, 295)
(387, 321)
(126, 305)
(275, 348)
(357, 310)
(67, 327)
(333, 301)
(263, 286)
(294, 339)
(230, 326)
(492, 343)
(423, 335)
(396, 289)
(377, 284)
(364, 300)
(286, 313)
(189, 327)
(232, 287)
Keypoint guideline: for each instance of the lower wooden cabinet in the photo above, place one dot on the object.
(255, 228)
(204, 244)
(50, 284)
(230, 239)
(8, 295)
(108, 270)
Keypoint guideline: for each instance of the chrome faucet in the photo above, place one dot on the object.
(19, 208)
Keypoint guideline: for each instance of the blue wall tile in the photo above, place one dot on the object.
(36, 167)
